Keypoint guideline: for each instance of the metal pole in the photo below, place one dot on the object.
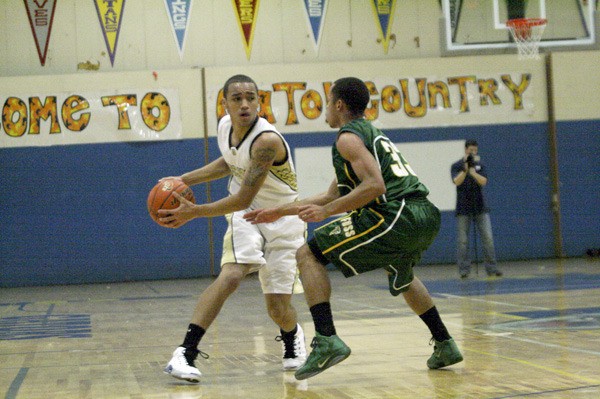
(553, 152)
(211, 234)
(476, 257)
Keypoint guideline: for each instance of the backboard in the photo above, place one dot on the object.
(479, 26)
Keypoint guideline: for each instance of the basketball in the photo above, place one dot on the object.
(161, 197)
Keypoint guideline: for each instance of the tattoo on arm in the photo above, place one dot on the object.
(262, 160)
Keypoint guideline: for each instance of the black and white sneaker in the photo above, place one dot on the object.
(182, 367)
(294, 352)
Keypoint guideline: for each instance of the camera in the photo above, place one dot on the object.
(472, 160)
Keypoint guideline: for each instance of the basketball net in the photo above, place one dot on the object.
(527, 33)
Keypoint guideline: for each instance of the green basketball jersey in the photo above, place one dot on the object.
(400, 180)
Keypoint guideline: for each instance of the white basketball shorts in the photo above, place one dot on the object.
(270, 249)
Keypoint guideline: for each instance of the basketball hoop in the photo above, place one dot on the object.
(527, 33)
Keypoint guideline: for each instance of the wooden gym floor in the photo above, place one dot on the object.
(535, 333)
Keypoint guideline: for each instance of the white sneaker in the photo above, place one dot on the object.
(295, 356)
(180, 368)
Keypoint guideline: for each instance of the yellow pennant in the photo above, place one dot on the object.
(384, 14)
(110, 14)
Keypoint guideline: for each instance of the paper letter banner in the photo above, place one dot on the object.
(61, 118)
(246, 12)
(179, 15)
(315, 10)
(110, 14)
(41, 15)
(384, 13)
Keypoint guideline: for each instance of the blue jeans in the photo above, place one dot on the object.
(486, 241)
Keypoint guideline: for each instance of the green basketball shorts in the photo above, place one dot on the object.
(390, 236)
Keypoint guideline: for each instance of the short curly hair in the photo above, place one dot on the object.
(353, 92)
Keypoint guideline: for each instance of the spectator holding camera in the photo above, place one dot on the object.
(469, 176)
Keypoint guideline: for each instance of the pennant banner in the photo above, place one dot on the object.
(179, 15)
(384, 12)
(315, 10)
(246, 12)
(41, 16)
(110, 14)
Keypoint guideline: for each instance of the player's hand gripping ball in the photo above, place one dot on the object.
(161, 197)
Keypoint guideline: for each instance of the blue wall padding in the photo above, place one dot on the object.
(77, 213)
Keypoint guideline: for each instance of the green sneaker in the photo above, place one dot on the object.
(445, 353)
(327, 352)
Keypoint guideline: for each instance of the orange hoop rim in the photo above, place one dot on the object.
(525, 22)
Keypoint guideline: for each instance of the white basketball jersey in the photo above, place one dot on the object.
(281, 185)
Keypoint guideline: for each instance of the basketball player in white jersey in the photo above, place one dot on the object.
(258, 161)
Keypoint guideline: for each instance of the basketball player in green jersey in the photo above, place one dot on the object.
(389, 223)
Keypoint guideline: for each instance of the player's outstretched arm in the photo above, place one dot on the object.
(266, 150)
(213, 171)
(263, 215)
(293, 208)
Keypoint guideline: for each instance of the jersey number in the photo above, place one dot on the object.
(400, 167)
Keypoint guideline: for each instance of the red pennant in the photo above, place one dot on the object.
(41, 16)
(246, 12)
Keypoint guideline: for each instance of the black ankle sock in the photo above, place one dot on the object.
(193, 336)
(321, 314)
(433, 321)
(289, 334)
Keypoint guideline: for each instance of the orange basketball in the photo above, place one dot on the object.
(161, 197)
